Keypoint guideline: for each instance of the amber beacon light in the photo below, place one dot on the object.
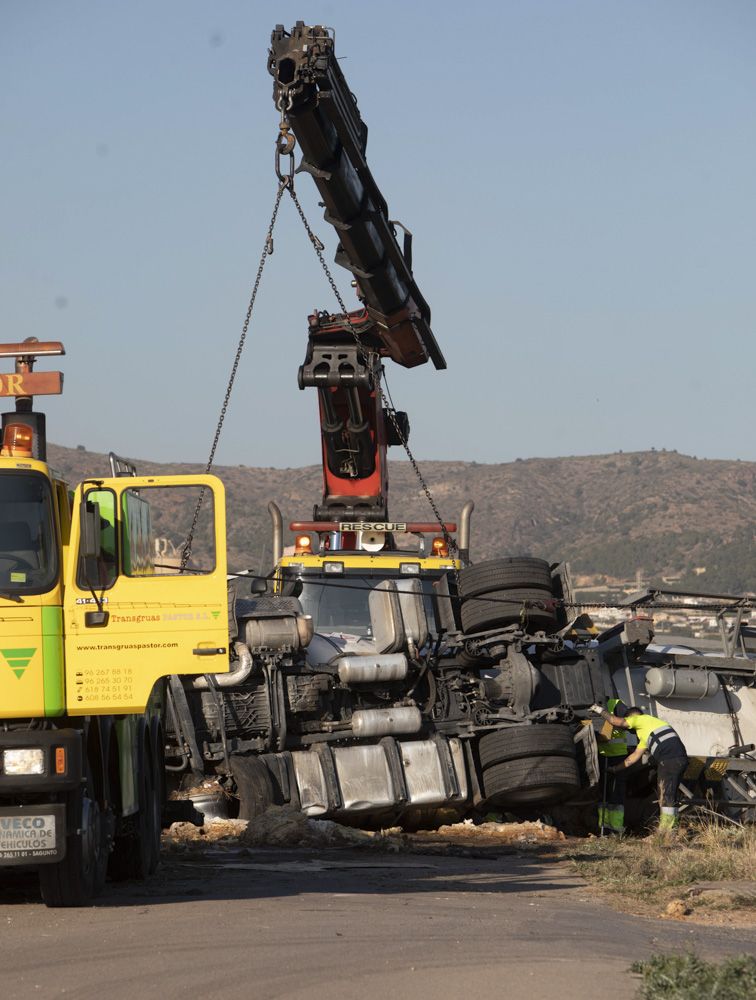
(303, 545)
(440, 547)
(17, 441)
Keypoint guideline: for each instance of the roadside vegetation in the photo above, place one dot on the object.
(709, 869)
(686, 977)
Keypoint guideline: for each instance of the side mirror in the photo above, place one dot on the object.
(90, 546)
(258, 586)
(92, 557)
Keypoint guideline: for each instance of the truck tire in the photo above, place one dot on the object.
(505, 574)
(136, 854)
(531, 781)
(80, 876)
(254, 784)
(534, 608)
(519, 742)
(159, 793)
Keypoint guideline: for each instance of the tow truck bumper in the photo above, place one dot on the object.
(33, 805)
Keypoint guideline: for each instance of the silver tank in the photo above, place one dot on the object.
(372, 669)
(663, 682)
(372, 722)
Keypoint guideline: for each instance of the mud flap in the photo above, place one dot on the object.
(587, 753)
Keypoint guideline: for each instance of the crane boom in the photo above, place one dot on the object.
(318, 107)
(310, 88)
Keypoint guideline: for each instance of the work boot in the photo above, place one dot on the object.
(669, 824)
(668, 820)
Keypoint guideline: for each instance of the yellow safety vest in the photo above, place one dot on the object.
(653, 733)
(616, 745)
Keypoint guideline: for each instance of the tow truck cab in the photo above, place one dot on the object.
(90, 626)
(332, 568)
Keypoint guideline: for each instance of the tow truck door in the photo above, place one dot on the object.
(145, 589)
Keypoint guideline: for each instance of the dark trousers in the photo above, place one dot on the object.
(669, 771)
(615, 783)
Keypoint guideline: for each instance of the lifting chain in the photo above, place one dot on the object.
(285, 143)
(366, 357)
(186, 552)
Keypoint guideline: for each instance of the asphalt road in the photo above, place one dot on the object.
(339, 925)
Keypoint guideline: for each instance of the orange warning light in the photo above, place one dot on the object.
(440, 547)
(17, 441)
(303, 545)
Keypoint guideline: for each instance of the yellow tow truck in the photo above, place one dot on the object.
(92, 622)
(334, 566)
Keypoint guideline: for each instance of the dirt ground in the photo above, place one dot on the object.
(716, 903)
(467, 912)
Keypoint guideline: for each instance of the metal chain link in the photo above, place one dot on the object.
(267, 251)
(366, 356)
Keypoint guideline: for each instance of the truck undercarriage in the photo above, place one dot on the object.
(415, 715)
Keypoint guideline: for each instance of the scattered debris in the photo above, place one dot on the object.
(719, 890)
(181, 834)
(491, 834)
(286, 826)
(677, 908)
(207, 787)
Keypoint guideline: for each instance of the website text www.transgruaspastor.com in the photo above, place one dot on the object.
(119, 647)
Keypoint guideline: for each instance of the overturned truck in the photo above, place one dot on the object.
(446, 702)
(467, 695)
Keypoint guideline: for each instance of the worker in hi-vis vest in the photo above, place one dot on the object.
(665, 749)
(612, 752)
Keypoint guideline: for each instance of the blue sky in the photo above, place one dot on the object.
(579, 176)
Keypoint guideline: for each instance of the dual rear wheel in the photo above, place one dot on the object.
(528, 765)
(511, 591)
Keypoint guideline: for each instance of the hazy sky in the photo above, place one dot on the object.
(580, 178)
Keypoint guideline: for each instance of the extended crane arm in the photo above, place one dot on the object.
(317, 106)
(310, 90)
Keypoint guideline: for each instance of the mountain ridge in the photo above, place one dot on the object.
(667, 514)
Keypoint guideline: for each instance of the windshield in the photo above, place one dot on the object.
(335, 607)
(28, 556)
(341, 605)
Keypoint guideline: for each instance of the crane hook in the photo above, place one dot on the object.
(285, 143)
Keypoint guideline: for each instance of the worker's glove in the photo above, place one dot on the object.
(596, 709)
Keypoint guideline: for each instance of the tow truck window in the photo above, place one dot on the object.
(28, 553)
(338, 605)
(159, 523)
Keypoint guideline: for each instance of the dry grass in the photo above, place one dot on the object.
(656, 870)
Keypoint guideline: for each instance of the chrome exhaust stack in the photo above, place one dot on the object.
(464, 531)
(275, 516)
